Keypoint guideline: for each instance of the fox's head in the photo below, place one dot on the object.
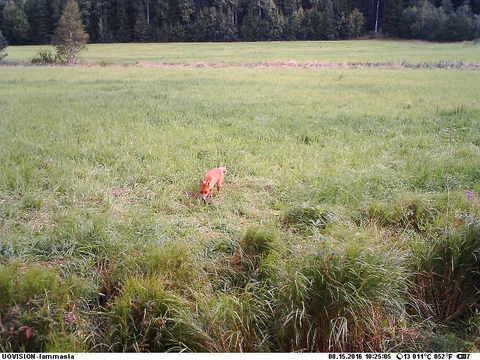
(204, 190)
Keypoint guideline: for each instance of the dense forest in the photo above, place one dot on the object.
(34, 21)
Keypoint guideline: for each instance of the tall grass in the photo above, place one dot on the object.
(447, 273)
(33, 301)
(146, 317)
(341, 300)
(332, 51)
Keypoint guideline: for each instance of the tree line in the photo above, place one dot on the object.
(34, 21)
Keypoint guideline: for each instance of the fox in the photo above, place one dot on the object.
(213, 178)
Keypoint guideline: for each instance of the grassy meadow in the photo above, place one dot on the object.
(248, 52)
(349, 220)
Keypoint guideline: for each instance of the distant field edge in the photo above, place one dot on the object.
(313, 54)
(442, 64)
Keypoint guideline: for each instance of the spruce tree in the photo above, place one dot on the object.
(355, 23)
(330, 21)
(447, 6)
(34, 21)
(15, 22)
(141, 27)
(39, 18)
(392, 13)
(70, 37)
(122, 28)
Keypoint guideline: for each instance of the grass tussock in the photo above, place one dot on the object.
(447, 273)
(259, 241)
(147, 317)
(414, 212)
(307, 218)
(175, 263)
(33, 302)
(341, 301)
(238, 321)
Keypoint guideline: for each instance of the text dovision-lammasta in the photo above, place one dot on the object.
(38, 356)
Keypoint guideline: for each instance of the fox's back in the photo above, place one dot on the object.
(215, 174)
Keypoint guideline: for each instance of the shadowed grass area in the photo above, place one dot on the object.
(348, 192)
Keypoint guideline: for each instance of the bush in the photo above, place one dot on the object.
(45, 57)
(342, 300)
(147, 317)
(447, 274)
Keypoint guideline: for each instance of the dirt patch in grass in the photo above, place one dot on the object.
(123, 198)
(286, 64)
(316, 65)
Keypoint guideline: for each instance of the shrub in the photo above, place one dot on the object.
(447, 273)
(45, 57)
(147, 317)
(340, 300)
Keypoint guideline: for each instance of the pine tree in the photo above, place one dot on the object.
(122, 29)
(34, 21)
(447, 6)
(343, 29)
(262, 22)
(476, 27)
(38, 15)
(293, 25)
(460, 25)
(3, 46)
(70, 36)
(392, 13)
(15, 22)
(101, 25)
(140, 29)
(356, 22)
(330, 21)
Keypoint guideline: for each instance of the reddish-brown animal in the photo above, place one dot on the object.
(213, 178)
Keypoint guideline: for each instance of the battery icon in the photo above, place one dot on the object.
(462, 356)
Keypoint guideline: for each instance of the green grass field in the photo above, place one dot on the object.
(349, 221)
(234, 53)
